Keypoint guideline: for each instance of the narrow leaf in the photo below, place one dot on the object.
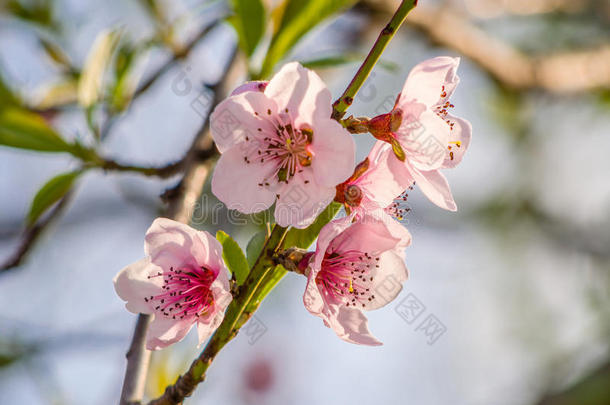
(249, 22)
(298, 17)
(54, 51)
(91, 79)
(26, 130)
(255, 246)
(51, 192)
(234, 257)
(7, 98)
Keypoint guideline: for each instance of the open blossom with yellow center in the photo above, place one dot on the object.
(279, 144)
(424, 135)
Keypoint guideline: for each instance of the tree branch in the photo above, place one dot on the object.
(31, 233)
(168, 170)
(134, 381)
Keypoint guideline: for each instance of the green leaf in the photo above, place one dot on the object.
(298, 17)
(51, 192)
(7, 98)
(37, 12)
(91, 79)
(234, 257)
(303, 238)
(26, 130)
(126, 76)
(249, 22)
(255, 246)
(54, 51)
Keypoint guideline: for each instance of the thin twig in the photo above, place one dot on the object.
(168, 170)
(384, 38)
(135, 374)
(31, 233)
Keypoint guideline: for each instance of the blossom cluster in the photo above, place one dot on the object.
(280, 147)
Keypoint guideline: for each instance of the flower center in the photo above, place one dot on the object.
(348, 277)
(185, 292)
(286, 148)
(442, 110)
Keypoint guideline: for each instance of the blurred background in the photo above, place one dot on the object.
(512, 291)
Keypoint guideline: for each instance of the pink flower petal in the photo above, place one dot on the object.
(327, 234)
(301, 201)
(435, 186)
(379, 184)
(426, 80)
(222, 298)
(462, 133)
(333, 150)
(368, 234)
(234, 118)
(396, 229)
(388, 284)
(213, 256)
(132, 285)
(302, 92)
(425, 140)
(351, 325)
(171, 243)
(312, 299)
(163, 332)
(236, 183)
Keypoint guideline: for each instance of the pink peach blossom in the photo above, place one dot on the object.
(424, 135)
(356, 267)
(280, 145)
(182, 282)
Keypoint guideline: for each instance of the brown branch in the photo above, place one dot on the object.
(32, 233)
(181, 202)
(165, 171)
(134, 381)
(560, 73)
